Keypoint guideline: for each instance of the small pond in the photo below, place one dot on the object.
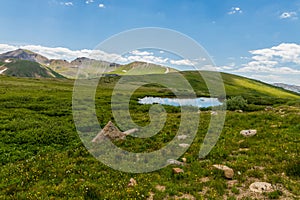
(202, 102)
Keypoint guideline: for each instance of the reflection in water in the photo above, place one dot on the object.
(202, 102)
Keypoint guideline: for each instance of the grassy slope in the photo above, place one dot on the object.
(140, 68)
(24, 68)
(42, 157)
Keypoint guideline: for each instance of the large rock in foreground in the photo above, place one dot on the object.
(248, 133)
(261, 187)
(110, 131)
(228, 172)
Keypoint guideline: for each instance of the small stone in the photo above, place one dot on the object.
(248, 133)
(183, 160)
(204, 179)
(185, 196)
(269, 108)
(182, 137)
(231, 183)
(177, 170)
(184, 145)
(228, 172)
(241, 141)
(160, 188)
(213, 113)
(175, 162)
(239, 111)
(151, 195)
(132, 183)
(261, 187)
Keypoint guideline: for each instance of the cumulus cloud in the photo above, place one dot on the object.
(67, 3)
(235, 10)
(5, 48)
(185, 62)
(141, 53)
(89, 1)
(149, 59)
(101, 5)
(65, 53)
(288, 15)
(281, 59)
(136, 55)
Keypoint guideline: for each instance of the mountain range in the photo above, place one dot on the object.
(25, 63)
(293, 88)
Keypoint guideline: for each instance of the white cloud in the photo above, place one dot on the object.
(281, 59)
(271, 78)
(5, 48)
(141, 53)
(65, 53)
(285, 52)
(182, 62)
(89, 1)
(101, 5)
(147, 58)
(67, 3)
(235, 10)
(288, 15)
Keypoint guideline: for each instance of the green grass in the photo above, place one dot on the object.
(42, 157)
(24, 68)
(141, 68)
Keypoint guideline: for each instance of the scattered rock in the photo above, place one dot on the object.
(184, 145)
(244, 149)
(248, 133)
(186, 196)
(269, 108)
(231, 183)
(160, 188)
(128, 132)
(241, 141)
(204, 179)
(110, 131)
(175, 162)
(182, 137)
(177, 170)
(261, 187)
(151, 195)
(183, 160)
(132, 183)
(258, 168)
(228, 172)
(239, 111)
(213, 113)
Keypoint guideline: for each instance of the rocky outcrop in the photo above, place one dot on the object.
(248, 133)
(261, 187)
(228, 172)
(110, 131)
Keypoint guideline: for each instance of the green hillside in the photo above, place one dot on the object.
(253, 90)
(42, 157)
(141, 68)
(24, 68)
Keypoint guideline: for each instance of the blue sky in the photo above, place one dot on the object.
(255, 38)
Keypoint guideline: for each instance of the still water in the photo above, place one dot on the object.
(202, 102)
